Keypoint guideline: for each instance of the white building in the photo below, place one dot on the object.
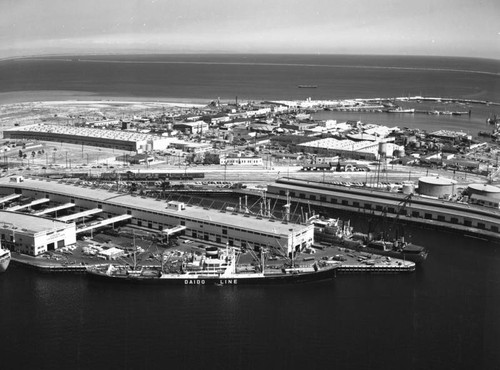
(235, 229)
(118, 139)
(241, 161)
(34, 235)
(368, 150)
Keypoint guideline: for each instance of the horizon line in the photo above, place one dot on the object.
(124, 53)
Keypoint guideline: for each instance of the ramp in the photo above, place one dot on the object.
(102, 223)
(34, 203)
(82, 214)
(174, 230)
(54, 209)
(8, 198)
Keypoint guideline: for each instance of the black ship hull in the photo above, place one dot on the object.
(325, 273)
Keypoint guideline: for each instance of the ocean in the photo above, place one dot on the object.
(205, 78)
(443, 316)
(255, 77)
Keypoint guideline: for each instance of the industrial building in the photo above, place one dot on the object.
(117, 139)
(368, 150)
(241, 160)
(218, 226)
(34, 235)
(328, 197)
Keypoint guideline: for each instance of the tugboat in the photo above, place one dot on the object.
(214, 267)
(4, 259)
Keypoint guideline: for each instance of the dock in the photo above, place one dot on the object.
(349, 261)
(354, 262)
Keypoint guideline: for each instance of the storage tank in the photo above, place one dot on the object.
(382, 149)
(436, 186)
(486, 190)
(408, 187)
(398, 153)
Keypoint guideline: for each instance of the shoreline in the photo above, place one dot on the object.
(81, 97)
(64, 97)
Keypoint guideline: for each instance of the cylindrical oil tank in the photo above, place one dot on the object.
(408, 187)
(486, 190)
(398, 153)
(436, 186)
(382, 149)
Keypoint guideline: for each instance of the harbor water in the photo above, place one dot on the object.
(442, 316)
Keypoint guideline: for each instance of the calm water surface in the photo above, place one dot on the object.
(443, 316)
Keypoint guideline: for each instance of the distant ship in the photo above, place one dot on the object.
(4, 259)
(308, 86)
(401, 110)
(215, 267)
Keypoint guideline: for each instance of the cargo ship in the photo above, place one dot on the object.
(307, 86)
(214, 267)
(4, 259)
(340, 233)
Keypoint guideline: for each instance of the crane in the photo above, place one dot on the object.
(493, 175)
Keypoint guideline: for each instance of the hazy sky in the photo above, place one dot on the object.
(427, 27)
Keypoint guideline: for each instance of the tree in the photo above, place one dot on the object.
(211, 158)
(20, 153)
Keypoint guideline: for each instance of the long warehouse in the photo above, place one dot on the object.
(452, 215)
(218, 226)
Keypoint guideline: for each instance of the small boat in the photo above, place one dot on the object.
(308, 86)
(4, 259)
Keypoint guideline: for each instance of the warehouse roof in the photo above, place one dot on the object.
(152, 205)
(26, 222)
